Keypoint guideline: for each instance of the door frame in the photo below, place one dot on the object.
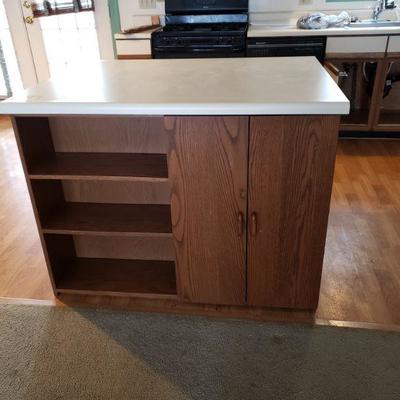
(35, 69)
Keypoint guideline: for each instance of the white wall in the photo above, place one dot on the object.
(294, 5)
(130, 8)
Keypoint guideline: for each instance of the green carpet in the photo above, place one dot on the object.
(53, 353)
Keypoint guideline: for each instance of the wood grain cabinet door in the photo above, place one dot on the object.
(291, 161)
(207, 165)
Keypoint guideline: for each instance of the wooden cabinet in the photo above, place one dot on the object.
(190, 209)
(264, 237)
(100, 191)
(208, 171)
(360, 81)
(290, 178)
(363, 77)
(388, 106)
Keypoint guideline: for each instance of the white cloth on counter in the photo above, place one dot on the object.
(322, 21)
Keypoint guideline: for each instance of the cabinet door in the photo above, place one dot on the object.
(208, 171)
(291, 173)
(388, 110)
(359, 90)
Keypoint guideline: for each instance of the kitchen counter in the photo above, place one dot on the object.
(244, 86)
(276, 30)
(135, 196)
(139, 35)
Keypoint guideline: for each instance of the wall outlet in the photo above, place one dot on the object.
(147, 4)
(306, 2)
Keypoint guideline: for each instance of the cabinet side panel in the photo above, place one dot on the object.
(291, 174)
(33, 138)
(208, 172)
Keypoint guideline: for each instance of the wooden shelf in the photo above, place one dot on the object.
(109, 219)
(389, 117)
(112, 277)
(101, 166)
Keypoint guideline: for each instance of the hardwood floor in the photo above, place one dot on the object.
(361, 277)
(23, 273)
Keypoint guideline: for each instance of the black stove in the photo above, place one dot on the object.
(202, 29)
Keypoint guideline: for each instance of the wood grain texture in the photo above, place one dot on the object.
(136, 278)
(135, 57)
(125, 248)
(109, 219)
(377, 97)
(23, 272)
(361, 275)
(291, 171)
(100, 166)
(109, 134)
(33, 139)
(207, 168)
(360, 280)
(177, 307)
(117, 192)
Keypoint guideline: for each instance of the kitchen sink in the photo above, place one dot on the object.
(374, 24)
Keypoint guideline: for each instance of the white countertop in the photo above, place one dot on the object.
(136, 36)
(274, 30)
(241, 86)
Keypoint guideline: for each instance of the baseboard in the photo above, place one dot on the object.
(317, 321)
(368, 135)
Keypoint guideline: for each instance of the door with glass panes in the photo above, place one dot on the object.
(50, 35)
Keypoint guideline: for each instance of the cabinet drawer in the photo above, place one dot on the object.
(394, 44)
(133, 47)
(356, 45)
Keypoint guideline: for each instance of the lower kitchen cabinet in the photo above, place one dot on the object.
(389, 108)
(250, 204)
(184, 210)
(208, 173)
(373, 87)
(291, 167)
(356, 78)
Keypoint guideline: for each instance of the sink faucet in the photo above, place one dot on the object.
(381, 6)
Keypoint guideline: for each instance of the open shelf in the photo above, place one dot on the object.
(389, 118)
(109, 219)
(118, 278)
(100, 166)
(101, 194)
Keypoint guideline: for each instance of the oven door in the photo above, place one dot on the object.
(197, 46)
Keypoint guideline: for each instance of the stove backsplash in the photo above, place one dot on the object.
(131, 8)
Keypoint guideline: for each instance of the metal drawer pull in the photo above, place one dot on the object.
(240, 224)
(254, 228)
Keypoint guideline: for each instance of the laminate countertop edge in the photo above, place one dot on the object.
(242, 86)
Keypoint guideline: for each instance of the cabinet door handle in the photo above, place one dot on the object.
(240, 224)
(254, 227)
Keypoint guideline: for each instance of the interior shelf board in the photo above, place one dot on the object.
(109, 219)
(389, 118)
(101, 166)
(128, 278)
